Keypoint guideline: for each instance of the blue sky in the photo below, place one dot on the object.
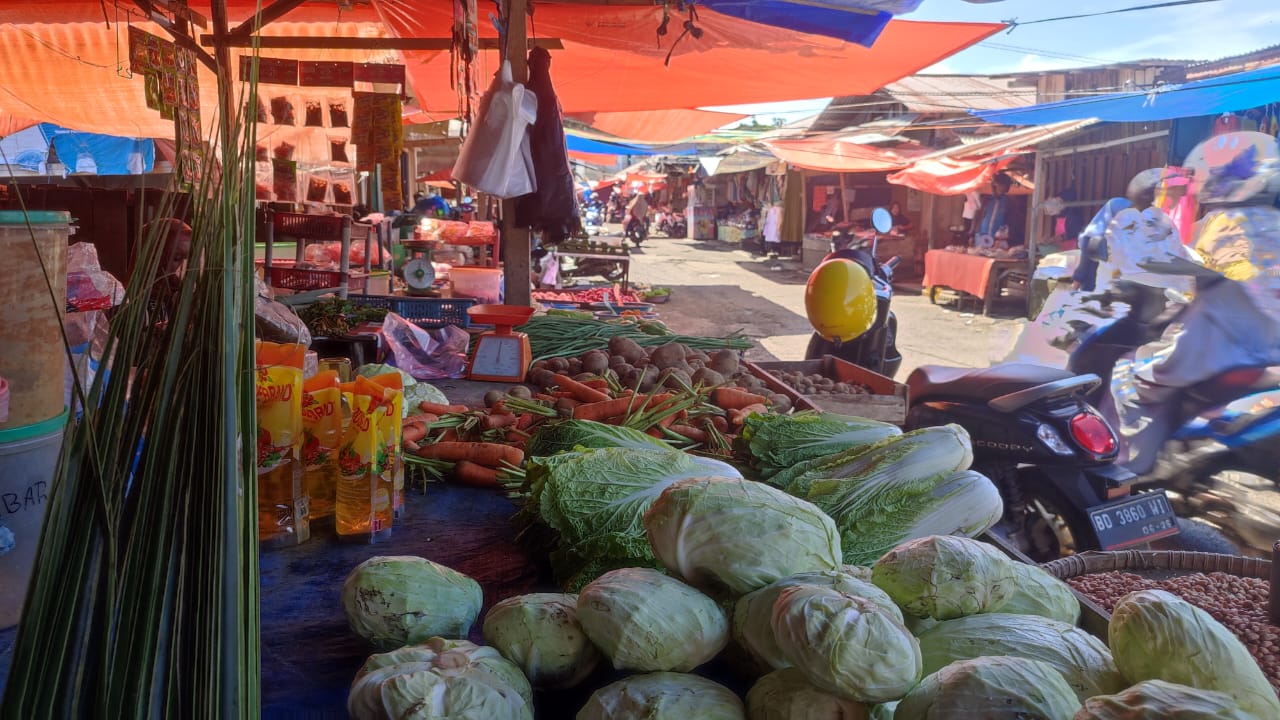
(1197, 32)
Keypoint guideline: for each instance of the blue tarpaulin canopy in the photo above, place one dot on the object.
(855, 21)
(79, 152)
(578, 143)
(1212, 96)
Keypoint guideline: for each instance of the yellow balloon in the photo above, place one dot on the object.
(840, 300)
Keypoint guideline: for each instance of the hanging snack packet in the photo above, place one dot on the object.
(322, 436)
(338, 149)
(282, 110)
(394, 384)
(343, 181)
(283, 505)
(363, 509)
(317, 183)
(338, 112)
(313, 113)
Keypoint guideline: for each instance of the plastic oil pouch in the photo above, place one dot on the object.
(321, 439)
(393, 383)
(283, 504)
(364, 510)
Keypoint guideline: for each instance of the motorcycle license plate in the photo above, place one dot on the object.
(1134, 520)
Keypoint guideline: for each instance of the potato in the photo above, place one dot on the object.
(616, 360)
(707, 377)
(522, 392)
(539, 365)
(626, 348)
(585, 376)
(670, 355)
(695, 364)
(595, 362)
(623, 370)
(724, 362)
(564, 407)
(779, 402)
(677, 379)
(493, 397)
(699, 356)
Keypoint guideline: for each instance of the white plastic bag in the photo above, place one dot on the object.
(495, 157)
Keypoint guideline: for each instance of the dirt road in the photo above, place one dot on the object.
(716, 290)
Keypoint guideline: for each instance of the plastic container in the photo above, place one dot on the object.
(32, 357)
(483, 284)
(28, 460)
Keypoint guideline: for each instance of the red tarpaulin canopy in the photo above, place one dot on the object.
(834, 153)
(657, 126)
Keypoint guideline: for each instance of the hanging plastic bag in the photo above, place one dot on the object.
(425, 354)
(496, 157)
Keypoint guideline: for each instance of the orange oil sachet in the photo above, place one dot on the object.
(283, 503)
(322, 433)
(363, 510)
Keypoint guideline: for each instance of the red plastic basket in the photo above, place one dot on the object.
(299, 280)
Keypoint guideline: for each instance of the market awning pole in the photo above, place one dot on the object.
(1033, 223)
(515, 240)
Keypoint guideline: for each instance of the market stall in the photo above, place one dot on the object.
(978, 276)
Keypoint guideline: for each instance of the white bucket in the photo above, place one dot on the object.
(28, 461)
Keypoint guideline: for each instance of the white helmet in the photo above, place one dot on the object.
(1236, 168)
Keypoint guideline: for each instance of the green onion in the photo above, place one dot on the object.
(552, 336)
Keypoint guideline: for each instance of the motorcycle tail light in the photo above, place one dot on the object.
(1093, 434)
(1054, 441)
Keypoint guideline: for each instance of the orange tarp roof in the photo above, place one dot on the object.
(62, 61)
(612, 62)
(835, 153)
(657, 126)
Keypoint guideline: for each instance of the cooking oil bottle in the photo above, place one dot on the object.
(322, 432)
(283, 503)
(363, 511)
(394, 385)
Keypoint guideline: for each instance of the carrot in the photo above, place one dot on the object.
(523, 422)
(413, 433)
(728, 398)
(438, 409)
(693, 433)
(654, 432)
(449, 435)
(409, 445)
(720, 423)
(423, 418)
(487, 454)
(493, 421)
(545, 397)
(602, 410)
(601, 385)
(470, 474)
(580, 391)
(738, 417)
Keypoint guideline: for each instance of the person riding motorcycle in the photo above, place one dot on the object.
(637, 220)
(1234, 319)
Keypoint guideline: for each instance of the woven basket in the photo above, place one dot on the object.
(1139, 561)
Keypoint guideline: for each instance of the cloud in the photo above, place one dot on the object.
(1036, 63)
(941, 68)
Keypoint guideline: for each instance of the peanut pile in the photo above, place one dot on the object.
(1238, 603)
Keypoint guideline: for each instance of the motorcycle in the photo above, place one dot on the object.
(592, 220)
(876, 349)
(636, 231)
(672, 224)
(1221, 461)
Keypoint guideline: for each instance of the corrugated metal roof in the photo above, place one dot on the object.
(1016, 141)
(957, 93)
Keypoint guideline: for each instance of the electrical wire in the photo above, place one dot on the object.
(1013, 24)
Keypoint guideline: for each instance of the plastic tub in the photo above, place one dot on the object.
(28, 460)
(32, 357)
(483, 284)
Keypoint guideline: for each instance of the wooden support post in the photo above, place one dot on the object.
(1034, 222)
(516, 241)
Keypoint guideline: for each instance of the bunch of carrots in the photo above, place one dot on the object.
(475, 446)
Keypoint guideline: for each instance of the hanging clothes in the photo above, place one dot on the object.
(552, 207)
(773, 224)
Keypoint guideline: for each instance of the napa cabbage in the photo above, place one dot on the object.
(594, 503)
(663, 696)
(777, 442)
(573, 435)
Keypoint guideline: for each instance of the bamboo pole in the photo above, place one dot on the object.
(516, 242)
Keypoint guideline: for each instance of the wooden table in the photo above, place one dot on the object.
(974, 275)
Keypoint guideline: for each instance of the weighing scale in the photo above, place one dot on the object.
(419, 273)
(500, 354)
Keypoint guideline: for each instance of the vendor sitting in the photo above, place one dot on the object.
(831, 214)
(999, 222)
(901, 223)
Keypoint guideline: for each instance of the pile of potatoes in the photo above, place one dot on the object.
(816, 384)
(647, 369)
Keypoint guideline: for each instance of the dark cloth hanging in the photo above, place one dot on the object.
(553, 207)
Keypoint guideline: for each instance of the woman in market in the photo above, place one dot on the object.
(998, 223)
(901, 223)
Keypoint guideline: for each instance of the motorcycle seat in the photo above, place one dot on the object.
(936, 382)
(1234, 384)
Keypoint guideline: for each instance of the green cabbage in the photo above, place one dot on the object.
(697, 526)
(595, 501)
(401, 600)
(945, 577)
(1159, 700)
(540, 633)
(777, 442)
(440, 679)
(663, 696)
(787, 695)
(845, 644)
(1036, 592)
(991, 688)
(877, 514)
(1084, 660)
(643, 620)
(752, 624)
(421, 392)
(571, 435)
(884, 711)
(369, 370)
(1155, 635)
